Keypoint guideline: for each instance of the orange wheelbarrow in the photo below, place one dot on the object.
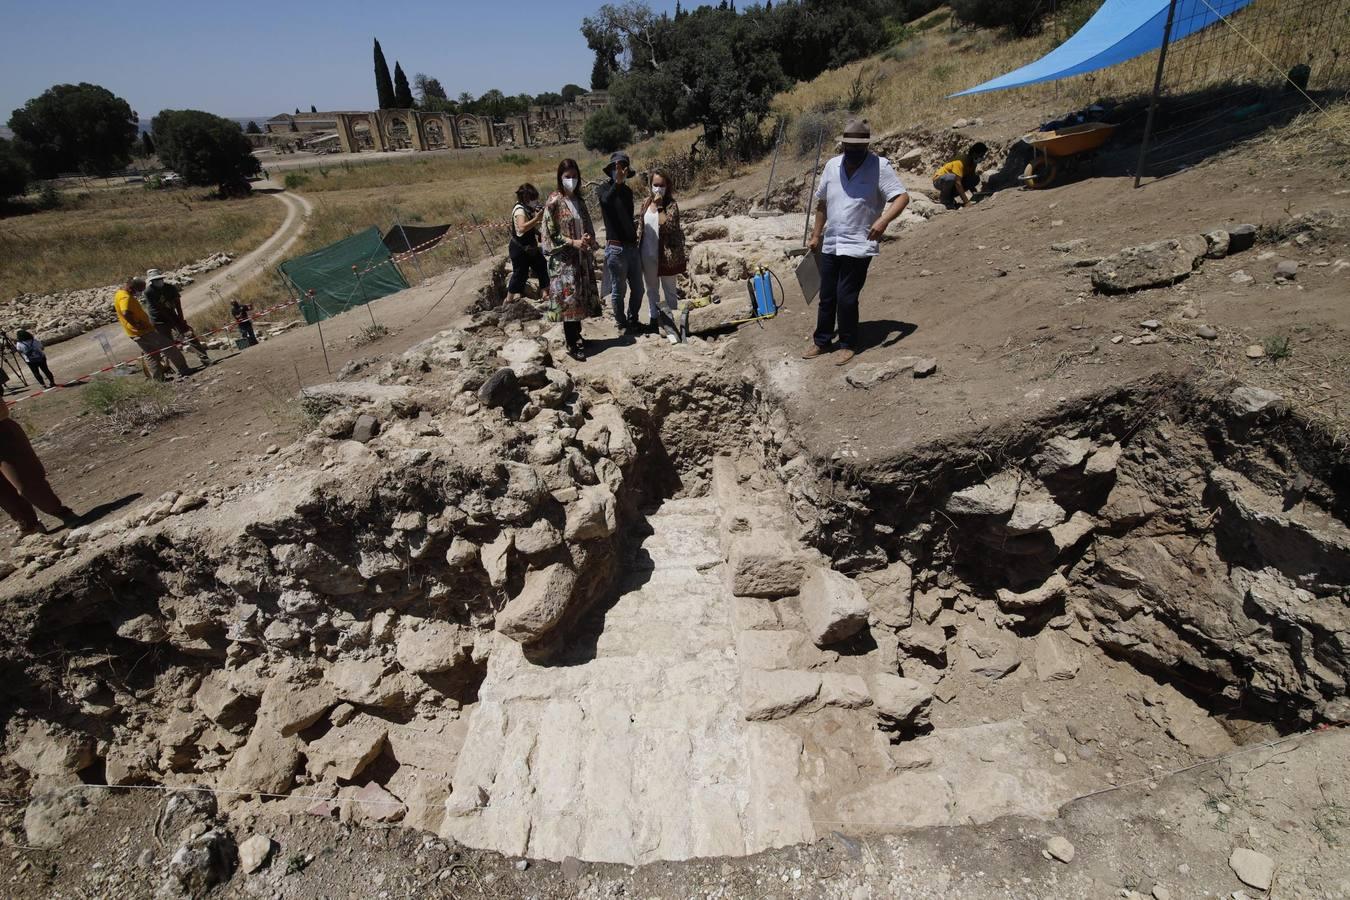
(1055, 152)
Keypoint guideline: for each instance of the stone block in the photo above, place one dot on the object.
(774, 695)
(995, 497)
(833, 607)
(345, 750)
(890, 594)
(1151, 265)
(366, 427)
(266, 763)
(593, 515)
(1054, 588)
(434, 646)
(765, 564)
(539, 606)
(903, 701)
(1056, 657)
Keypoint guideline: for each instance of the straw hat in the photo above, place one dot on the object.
(154, 275)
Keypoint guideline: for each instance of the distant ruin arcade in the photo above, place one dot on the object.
(356, 131)
(410, 129)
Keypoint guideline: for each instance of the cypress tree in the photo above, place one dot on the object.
(384, 85)
(147, 144)
(403, 98)
(313, 108)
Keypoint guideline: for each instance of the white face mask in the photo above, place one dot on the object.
(569, 184)
(658, 190)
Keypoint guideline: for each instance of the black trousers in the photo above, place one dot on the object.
(246, 332)
(39, 368)
(526, 261)
(841, 281)
(572, 332)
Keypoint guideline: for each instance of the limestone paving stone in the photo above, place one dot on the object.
(643, 752)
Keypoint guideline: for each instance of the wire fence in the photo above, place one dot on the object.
(1256, 67)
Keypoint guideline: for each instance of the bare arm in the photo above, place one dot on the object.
(888, 215)
(818, 231)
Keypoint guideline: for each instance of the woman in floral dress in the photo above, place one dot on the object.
(569, 241)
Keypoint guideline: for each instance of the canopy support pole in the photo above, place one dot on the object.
(1157, 89)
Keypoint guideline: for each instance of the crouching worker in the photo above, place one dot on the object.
(960, 177)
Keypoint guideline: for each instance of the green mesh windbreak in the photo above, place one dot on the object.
(328, 273)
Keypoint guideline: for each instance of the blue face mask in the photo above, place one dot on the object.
(853, 156)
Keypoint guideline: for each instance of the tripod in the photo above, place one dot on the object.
(9, 358)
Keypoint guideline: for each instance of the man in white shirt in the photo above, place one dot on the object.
(859, 195)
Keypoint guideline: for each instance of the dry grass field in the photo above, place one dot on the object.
(100, 236)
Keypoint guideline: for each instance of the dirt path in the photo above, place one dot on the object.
(78, 356)
(236, 409)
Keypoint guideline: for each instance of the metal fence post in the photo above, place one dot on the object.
(815, 173)
(777, 143)
(365, 301)
(404, 234)
(480, 233)
(1157, 89)
(318, 320)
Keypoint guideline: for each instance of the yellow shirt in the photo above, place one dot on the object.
(956, 167)
(132, 316)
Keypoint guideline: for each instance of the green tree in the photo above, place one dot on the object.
(147, 144)
(74, 127)
(607, 131)
(571, 92)
(251, 128)
(428, 88)
(313, 108)
(384, 85)
(548, 98)
(600, 74)
(1020, 17)
(14, 173)
(403, 98)
(205, 149)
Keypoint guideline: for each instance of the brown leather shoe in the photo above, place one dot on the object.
(845, 355)
(813, 351)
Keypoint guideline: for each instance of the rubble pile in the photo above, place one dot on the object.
(1174, 544)
(66, 314)
(321, 633)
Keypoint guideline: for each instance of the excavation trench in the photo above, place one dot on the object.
(727, 641)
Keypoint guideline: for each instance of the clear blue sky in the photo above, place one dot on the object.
(248, 58)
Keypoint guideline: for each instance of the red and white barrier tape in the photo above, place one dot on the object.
(134, 359)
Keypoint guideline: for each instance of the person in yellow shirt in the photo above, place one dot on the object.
(960, 177)
(143, 333)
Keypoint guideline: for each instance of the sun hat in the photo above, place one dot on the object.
(617, 157)
(154, 275)
(856, 132)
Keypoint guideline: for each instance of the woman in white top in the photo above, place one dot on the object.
(31, 349)
(526, 257)
(661, 240)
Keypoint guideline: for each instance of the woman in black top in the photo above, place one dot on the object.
(526, 257)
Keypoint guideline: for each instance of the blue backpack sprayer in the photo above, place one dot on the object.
(763, 303)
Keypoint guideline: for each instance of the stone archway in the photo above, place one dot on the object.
(436, 137)
(469, 133)
(398, 134)
(364, 138)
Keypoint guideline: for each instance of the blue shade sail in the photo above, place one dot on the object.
(1120, 30)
